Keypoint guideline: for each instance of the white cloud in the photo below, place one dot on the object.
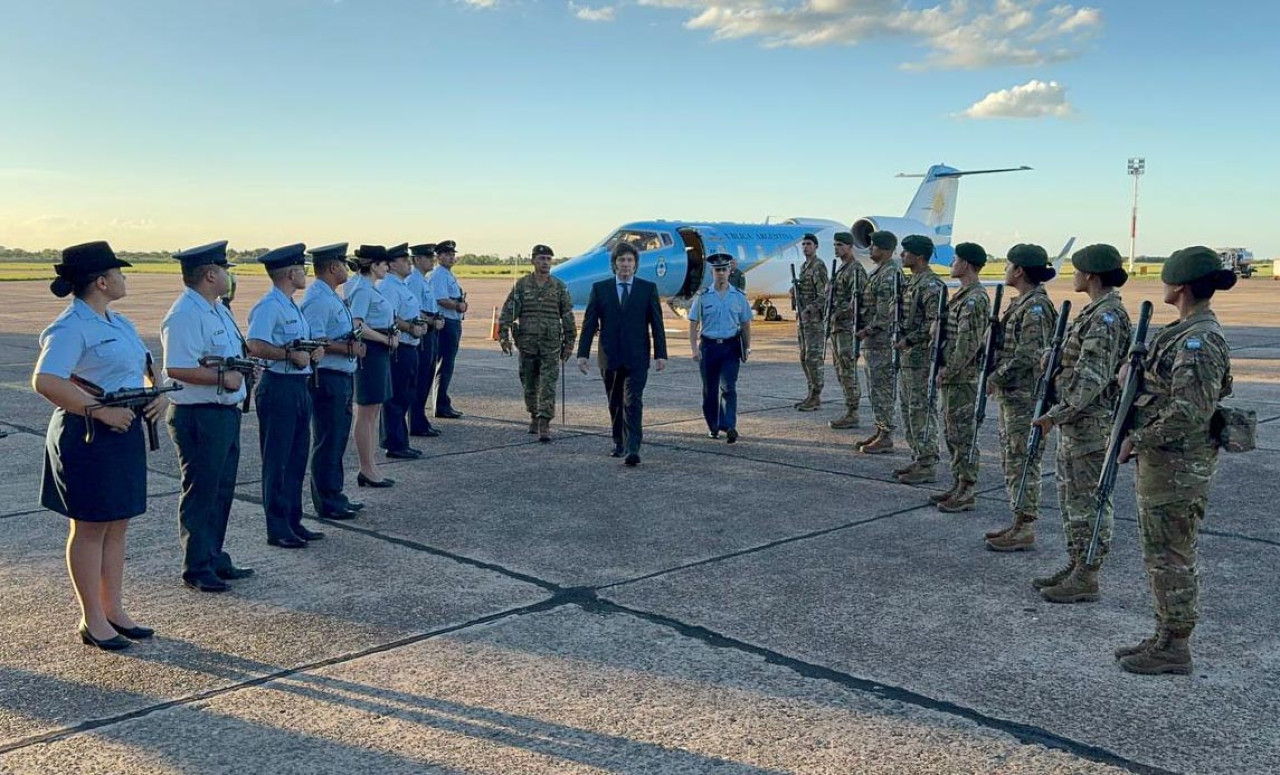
(958, 34)
(484, 4)
(1033, 99)
(133, 224)
(586, 13)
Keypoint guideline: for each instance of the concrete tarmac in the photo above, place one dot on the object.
(781, 605)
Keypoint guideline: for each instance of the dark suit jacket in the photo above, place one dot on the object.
(624, 332)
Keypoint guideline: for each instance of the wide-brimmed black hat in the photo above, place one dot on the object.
(88, 259)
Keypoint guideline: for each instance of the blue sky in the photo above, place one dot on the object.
(503, 123)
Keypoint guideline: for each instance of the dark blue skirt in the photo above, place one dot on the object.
(373, 378)
(99, 482)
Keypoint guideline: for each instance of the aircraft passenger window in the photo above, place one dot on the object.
(642, 240)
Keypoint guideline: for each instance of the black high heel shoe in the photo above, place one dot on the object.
(133, 633)
(109, 644)
(365, 481)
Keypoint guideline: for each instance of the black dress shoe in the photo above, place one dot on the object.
(617, 452)
(133, 633)
(109, 644)
(339, 514)
(208, 583)
(233, 573)
(404, 454)
(448, 414)
(290, 542)
(308, 535)
(732, 434)
(632, 460)
(713, 434)
(365, 481)
(430, 433)
(354, 505)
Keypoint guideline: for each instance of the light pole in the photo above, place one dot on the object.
(1137, 166)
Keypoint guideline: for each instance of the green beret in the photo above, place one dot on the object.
(1096, 259)
(885, 240)
(1028, 255)
(972, 253)
(844, 238)
(1190, 264)
(918, 245)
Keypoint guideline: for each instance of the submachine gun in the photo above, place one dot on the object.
(129, 398)
(895, 325)
(936, 353)
(247, 367)
(306, 346)
(1121, 423)
(829, 308)
(1044, 400)
(990, 349)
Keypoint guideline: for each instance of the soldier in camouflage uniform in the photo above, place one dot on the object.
(811, 299)
(920, 321)
(968, 317)
(878, 302)
(736, 277)
(1188, 370)
(1086, 392)
(539, 312)
(848, 276)
(1028, 323)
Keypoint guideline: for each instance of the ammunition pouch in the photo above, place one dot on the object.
(1234, 429)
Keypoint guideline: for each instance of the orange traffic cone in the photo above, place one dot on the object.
(493, 328)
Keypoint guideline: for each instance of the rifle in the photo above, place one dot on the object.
(248, 367)
(856, 301)
(936, 356)
(1044, 400)
(829, 309)
(306, 346)
(461, 298)
(795, 305)
(129, 398)
(895, 326)
(1121, 423)
(995, 338)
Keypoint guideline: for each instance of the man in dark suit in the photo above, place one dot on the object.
(624, 309)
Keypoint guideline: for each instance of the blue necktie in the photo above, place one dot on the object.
(626, 293)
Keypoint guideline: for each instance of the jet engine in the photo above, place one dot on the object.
(863, 228)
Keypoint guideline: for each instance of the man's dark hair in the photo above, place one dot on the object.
(623, 249)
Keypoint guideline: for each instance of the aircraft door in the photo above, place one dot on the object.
(696, 252)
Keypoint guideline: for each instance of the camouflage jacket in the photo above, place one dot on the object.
(844, 281)
(737, 279)
(811, 291)
(878, 303)
(1086, 388)
(1188, 369)
(968, 317)
(920, 317)
(1028, 324)
(539, 314)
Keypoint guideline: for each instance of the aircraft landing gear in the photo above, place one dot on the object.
(765, 309)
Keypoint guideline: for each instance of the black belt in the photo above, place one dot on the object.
(207, 405)
(725, 340)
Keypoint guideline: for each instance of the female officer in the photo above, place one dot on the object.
(99, 485)
(1187, 370)
(370, 309)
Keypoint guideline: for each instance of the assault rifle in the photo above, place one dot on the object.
(1044, 400)
(856, 301)
(936, 355)
(995, 339)
(895, 325)
(1121, 423)
(248, 367)
(136, 399)
(795, 306)
(829, 308)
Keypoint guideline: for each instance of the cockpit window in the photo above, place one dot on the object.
(642, 240)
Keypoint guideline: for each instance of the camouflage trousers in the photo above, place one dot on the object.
(1170, 531)
(880, 385)
(1015, 423)
(810, 338)
(958, 400)
(920, 425)
(1076, 477)
(538, 373)
(846, 367)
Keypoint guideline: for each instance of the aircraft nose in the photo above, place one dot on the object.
(580, 272)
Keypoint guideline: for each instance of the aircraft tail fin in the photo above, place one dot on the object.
(1062, 256)
(934, 204)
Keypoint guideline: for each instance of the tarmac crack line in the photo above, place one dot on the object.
(567, 596)
(1024, 733)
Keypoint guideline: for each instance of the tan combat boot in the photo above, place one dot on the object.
(1019, 538)
(963, 499)
(1057, 577)
(908, 468)
(544, 429)
(939, 497)
(868, 440)
(996, 533)
(881, 445)
(1169, 654)
(533, 423)
(1128, 651)
(850, 419)
(919, 475)
(1080, 586)
(810, 404)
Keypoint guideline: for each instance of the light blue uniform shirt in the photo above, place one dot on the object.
(417, 282)
(403, 302)
(445, 286)
(276, 320)
(721, 315)
(193, 328)
(367, 303)
(105, 350)
(328, 316)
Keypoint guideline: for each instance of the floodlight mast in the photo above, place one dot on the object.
(1137, 166)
